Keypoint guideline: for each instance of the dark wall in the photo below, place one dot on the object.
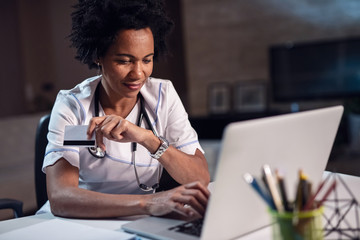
(12, 86)
(173, 66)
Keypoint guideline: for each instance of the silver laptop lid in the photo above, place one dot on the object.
(287, 142)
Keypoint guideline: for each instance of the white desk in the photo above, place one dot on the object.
(96, 228)
(115, 224)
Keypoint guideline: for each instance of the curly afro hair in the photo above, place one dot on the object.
(95, 24)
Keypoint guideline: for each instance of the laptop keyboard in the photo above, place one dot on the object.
(192, 228)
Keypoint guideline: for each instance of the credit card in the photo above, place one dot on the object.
(76, 136)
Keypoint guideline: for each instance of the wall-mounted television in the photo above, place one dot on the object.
(315, 70)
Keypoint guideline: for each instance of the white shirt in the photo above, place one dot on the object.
(115, 173)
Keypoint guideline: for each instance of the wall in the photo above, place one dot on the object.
(47, 61)
(228, 40)
(173, 65)
(214, 41)
(11, 92)
(37, 61)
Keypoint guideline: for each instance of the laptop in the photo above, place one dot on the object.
(288, 142)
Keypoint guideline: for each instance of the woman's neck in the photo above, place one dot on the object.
(116, 105)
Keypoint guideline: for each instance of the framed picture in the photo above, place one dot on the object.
(219, 98)
(250, 96)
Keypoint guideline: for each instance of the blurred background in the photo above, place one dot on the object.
(231, 60)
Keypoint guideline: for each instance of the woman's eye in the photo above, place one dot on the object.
(120, 61)
(146, 61)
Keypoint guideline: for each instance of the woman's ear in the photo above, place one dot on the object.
(98, 63)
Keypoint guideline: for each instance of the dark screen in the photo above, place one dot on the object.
(318, 70)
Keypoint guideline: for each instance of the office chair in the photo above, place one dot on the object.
(15, 205)
(40, 146)
(40, 178)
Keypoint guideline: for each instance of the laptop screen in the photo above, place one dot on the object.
(288, 143)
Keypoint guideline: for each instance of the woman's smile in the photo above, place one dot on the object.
(133, 86)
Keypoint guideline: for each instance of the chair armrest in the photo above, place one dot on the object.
(13, 204)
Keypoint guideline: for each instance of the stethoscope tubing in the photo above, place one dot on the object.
(99, 153)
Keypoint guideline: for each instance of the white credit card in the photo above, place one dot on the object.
(76, 136)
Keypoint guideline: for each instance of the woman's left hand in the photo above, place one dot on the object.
(189, 200)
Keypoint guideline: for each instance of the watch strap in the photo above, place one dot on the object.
(163, 147)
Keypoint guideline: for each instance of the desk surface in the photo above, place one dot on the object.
(115, 224)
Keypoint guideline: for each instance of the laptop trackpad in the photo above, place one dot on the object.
(157, 228)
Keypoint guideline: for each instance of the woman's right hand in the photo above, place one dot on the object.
(117, 129)
(189, 200)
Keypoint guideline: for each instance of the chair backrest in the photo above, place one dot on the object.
(40, 146)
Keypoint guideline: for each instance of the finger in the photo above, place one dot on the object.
(192, 197)
(199, 186)
(192, 212)
(95, 121)
(129, 132)
(196, 199)
(99, 138)
(186, 210)
(109, 126)
(179, 208)
(200, 193)
(193, 203)
(119, 130)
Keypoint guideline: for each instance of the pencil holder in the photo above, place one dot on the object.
(304, 225)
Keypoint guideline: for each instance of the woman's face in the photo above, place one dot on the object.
(128, 63)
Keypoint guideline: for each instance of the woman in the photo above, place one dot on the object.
(122, 38)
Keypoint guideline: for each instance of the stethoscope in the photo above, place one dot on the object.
(99, 153)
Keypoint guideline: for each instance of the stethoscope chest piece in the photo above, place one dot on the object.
(97, 152)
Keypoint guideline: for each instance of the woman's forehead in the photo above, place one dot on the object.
(133, 42)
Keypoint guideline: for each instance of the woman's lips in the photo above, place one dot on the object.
(133, 86)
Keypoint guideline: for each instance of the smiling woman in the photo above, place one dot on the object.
(122, 39)
(126, 66)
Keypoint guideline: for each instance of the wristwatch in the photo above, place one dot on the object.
(163, 147)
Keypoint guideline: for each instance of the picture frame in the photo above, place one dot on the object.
(250, 96)
(219, 98)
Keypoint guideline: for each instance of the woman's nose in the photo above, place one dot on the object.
(136, 71)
